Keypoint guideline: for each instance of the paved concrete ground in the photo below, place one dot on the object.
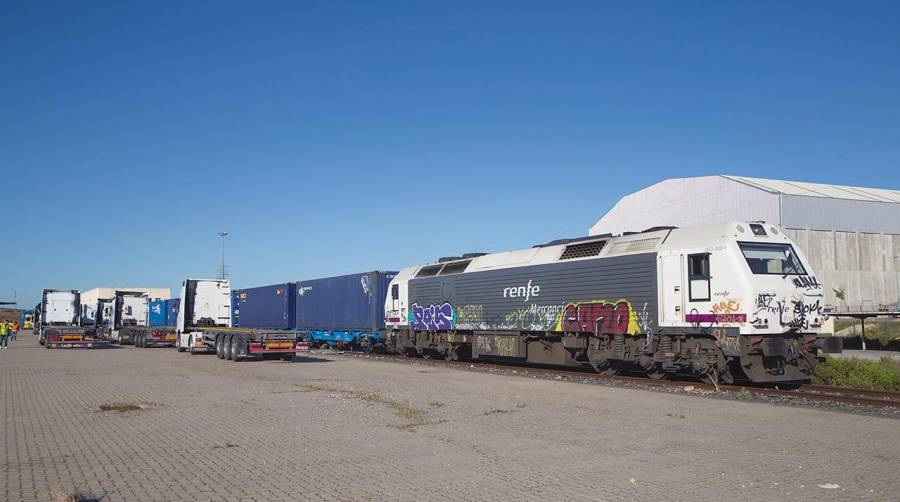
(351, 428)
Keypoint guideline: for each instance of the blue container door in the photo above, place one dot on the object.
(158, 313)
(172, 307)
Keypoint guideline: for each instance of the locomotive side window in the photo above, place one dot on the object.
(698, 277)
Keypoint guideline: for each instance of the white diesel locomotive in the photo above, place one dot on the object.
(719, 301)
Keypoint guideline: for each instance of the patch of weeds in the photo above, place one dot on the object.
(521, 405)
(123, 407)
(492, 411)
(675, 415)
(412, 417)
(743, 395)
(226, 445)
(859, 373)
(435, 404)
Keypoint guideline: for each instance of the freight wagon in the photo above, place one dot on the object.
(59, 323)
(717, 301)
(204, 325)
(346, 311)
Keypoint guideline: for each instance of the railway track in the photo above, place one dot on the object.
(810, 392)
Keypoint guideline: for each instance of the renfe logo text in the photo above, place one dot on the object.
(525, 292)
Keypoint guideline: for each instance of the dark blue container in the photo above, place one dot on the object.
(269, 307)
(157, 313)
(172, 306)
(351, 303)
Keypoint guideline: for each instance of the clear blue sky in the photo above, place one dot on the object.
(335, 137)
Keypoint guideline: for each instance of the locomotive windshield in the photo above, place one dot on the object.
(778, 259)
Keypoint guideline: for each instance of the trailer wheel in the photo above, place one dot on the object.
(220, 349)
(236, 348)
(178, 346)
(287, 357)
(227, 348)
(191, 345)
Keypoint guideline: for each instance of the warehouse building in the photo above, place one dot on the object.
(91, 296)
(851, 235)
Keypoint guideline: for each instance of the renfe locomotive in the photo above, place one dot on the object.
(719, 301)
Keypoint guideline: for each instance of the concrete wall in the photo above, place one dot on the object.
(865, 265)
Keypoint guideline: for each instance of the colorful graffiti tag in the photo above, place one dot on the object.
(431, 317)
(725, 311)
(599, 317)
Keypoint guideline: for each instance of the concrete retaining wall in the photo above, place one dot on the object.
(865, 266)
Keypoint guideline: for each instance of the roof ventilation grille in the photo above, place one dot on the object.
(582, 250)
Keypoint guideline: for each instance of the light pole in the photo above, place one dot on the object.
(222, 234)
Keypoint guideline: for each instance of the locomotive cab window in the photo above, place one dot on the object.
(698, 277)
(778, 259)
(395, 292)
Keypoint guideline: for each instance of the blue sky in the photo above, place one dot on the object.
(336, 137)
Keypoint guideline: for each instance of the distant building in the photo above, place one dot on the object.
(850, 235)
(89, 298)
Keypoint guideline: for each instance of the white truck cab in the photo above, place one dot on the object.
(205, 303)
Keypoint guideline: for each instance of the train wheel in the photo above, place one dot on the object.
(714, 377)
(612, 368)
(656, 373)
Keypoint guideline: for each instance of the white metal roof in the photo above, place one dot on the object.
(820, 189)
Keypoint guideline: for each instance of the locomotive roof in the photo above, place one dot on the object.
(592, 247)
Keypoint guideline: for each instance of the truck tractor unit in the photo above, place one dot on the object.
(129, 321)
(59, 320)
(723, 301)
(204, 325)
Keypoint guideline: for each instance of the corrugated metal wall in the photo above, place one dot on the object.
(820, 213)
(684, 202)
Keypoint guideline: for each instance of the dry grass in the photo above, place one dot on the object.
(75, 495)
(120, 407)
(412, 417)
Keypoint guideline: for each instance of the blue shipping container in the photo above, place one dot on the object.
(344, 308)
(268, 307)
(158, 313)
(172, 306)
